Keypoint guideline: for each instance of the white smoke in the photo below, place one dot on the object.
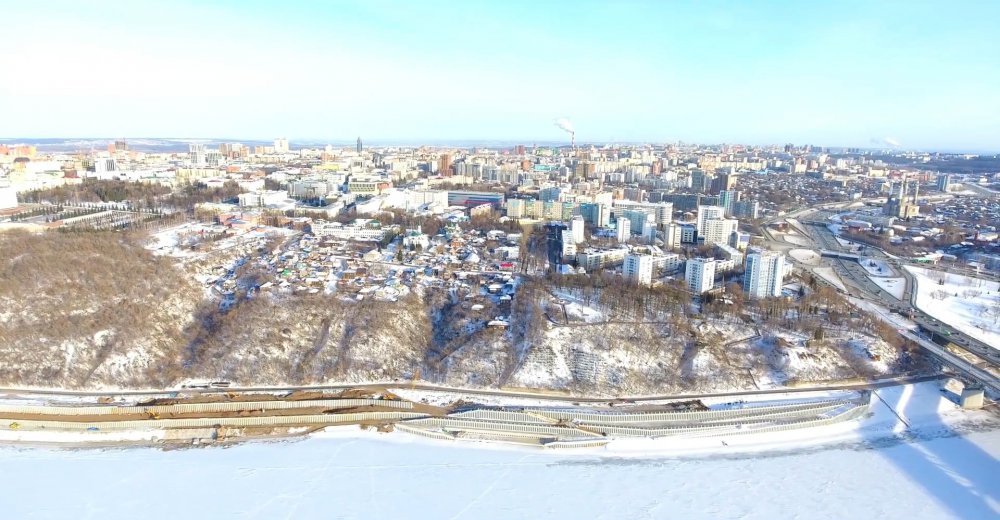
(565, 124)
(886, 141)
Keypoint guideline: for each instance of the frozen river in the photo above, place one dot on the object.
(401, 477)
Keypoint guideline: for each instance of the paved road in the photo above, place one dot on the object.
(860, 285)
(880, 383)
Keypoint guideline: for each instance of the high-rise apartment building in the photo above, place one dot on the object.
(699, 274)
(638, 269)
(624, 229)
(597, 214)
(568, 245)
(723, 182)
(700, 180)
(944, 183)
(718, 231)
(706, 213)
(281, 145)
(671, 236)
(576, 226)
(196, 154)
(649, 230)
(444, 165)
(728, 199)
(764, 274)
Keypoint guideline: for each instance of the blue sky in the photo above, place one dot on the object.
(925, 74)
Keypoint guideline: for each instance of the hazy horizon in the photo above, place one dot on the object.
(296, 143)
(844, 74)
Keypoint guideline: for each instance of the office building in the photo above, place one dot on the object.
(638, 269)
(764, 274)
(360, 148)
(699, 274)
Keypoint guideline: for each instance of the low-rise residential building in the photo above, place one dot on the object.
(591, 259)
(360, 229)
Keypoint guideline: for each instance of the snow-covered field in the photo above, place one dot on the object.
(894, 286)
(971, 305)
(806, 256)
(794, 238)
(877, 267)
(830, 276)
(944, 465)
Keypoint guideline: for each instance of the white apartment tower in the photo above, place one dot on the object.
(196, 154)
(576, 225)
(671, 236)
(706, 213)
(624, 229)
(281, 145)
(568, 246)
(649, 230)
(764, 274)
(700, 274)
(638, 269)
(718, 231)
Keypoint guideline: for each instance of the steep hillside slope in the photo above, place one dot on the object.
(89, 309)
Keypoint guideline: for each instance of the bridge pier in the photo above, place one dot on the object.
(972, 397)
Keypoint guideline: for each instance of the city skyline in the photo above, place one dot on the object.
(844, 75)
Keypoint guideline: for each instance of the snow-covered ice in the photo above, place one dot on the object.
(943, 465)
(971, 305)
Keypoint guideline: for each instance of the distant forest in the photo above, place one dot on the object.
(950, 164)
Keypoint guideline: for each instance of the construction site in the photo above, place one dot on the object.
(180, 419)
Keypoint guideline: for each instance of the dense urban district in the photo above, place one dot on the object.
(591, 269)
